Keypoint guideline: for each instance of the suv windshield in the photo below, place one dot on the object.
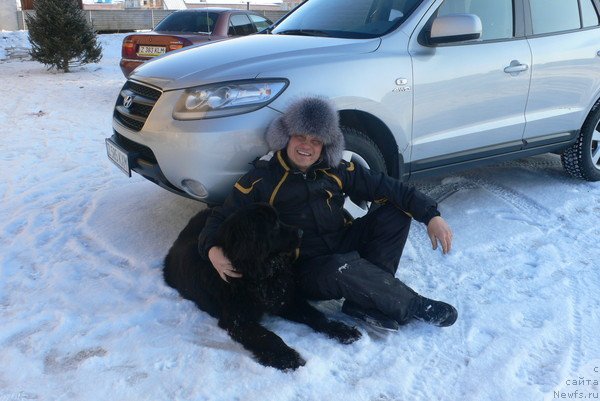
(195, 21)
(347, 18)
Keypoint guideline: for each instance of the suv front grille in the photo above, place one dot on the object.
(134, 147)
(134, 104)
(130, 122)
(143, 90)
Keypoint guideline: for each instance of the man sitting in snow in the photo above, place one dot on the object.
(306, 181)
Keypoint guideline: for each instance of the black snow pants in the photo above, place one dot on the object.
(363, 268)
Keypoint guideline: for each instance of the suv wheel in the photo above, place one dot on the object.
(582, 159)
(360, 149)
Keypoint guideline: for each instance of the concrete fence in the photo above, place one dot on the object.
(131, 20)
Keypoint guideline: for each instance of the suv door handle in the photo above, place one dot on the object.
(516, 67)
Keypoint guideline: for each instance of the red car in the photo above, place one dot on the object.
(188, 27)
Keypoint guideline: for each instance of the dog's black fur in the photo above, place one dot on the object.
(262, 249)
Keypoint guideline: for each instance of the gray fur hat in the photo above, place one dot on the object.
(314, 116)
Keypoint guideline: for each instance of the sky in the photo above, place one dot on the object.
(85, 314)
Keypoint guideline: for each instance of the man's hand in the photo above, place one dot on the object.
(439, 230)
(222, 264)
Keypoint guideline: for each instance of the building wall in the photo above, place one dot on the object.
(132, 19)
(26, 4)
(153, 4)
(103, 6)
(290, 4)
(8, 15)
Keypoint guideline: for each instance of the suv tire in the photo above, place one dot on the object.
(360, 149)
(578, 160)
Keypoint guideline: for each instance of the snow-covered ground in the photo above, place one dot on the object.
(85, 315)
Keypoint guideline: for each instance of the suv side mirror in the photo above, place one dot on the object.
(455, 28)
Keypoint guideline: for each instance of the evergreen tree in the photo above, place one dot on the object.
(60, 35)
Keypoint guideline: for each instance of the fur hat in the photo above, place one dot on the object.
(314, 116)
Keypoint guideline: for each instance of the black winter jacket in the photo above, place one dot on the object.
(314, 201)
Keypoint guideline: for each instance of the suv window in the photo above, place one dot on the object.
(260, 22)
(562, 15)
(347, 19)
(240, 25)
(589, 14)
(496, 16)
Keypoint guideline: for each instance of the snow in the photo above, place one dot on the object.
(11, 42)
(85, 314)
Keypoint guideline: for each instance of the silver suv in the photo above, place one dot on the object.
(422, 87)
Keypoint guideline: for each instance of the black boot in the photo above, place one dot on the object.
(435, 312)
(371, 316)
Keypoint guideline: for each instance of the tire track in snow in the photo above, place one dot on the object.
(551, 352)
(576, 324)
(441, 362)
(525, 205)
(568, 349)
(447, 361)
(424, 277)
(572, 281)
(545, 218)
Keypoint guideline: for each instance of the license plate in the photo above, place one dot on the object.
(151, 51)
(118, 156)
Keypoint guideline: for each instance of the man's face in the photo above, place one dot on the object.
(304, 150)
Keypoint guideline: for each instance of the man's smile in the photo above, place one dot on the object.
(304, 150)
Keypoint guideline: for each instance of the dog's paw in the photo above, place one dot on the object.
(343, 333)
(282, 359)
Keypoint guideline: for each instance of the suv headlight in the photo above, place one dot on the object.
(227, 98)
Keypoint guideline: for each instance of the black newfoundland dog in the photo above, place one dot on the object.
(262, 249)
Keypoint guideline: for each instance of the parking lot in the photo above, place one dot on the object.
(85, 313)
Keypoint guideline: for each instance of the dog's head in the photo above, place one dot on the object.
(256, 241)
